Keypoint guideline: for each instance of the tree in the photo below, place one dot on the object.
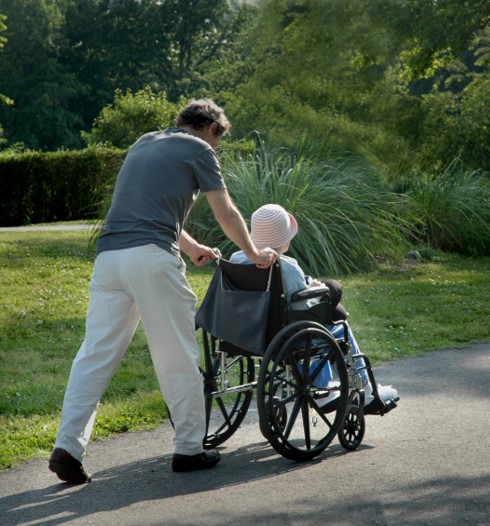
(201, 35)
(33, 78)
(457, 103)
(319, 64)
(110, 45)
(356, 73)
(180, 47)
(130, 116)
(65, 59)
(3, 98)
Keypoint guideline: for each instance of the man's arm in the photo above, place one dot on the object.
(235, 228)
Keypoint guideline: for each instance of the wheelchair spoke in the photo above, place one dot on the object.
(292, 418)
(306, 423)
(224, 411)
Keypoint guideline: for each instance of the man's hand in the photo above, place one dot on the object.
(201, 254)
(265, 258)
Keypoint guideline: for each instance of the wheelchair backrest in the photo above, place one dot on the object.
(250, 277)
(234, 311)
(243, 307)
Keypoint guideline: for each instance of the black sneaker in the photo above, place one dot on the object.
(205, 460)
(67, 468)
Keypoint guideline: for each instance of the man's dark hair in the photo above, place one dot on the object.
(199, 113)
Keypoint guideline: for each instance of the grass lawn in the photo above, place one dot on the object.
(44, 291)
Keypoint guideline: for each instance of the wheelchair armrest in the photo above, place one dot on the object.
(312, 292)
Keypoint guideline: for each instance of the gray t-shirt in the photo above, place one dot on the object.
(156, 188)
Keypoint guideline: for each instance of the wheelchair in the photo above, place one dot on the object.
(306, 381)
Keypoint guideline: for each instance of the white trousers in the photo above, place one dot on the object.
(148, 283)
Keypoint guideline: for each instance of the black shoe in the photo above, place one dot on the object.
(204, 460)
(67, 468)
(378, 407)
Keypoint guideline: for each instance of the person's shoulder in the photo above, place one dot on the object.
(288, 260)
(239, 258)
(183, 136)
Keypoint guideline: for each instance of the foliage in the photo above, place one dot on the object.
(3, 98)
(347, 218)
(455, 208)
(33, 77)
(130, 116)
(44, 277)
(3, 27)
(318, 66)
(56, 186)
(457, 104)
(404, 83)
(364, 74)
(65, 59)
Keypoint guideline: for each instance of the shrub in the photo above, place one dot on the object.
(130, 116)
(42, 187)
(455, 209)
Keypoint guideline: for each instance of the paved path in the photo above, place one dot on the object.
(427, 463)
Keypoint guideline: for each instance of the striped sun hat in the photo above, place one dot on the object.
(272, 226)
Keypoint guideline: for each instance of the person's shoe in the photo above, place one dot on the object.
(204, 460)
(387, 393)
(67, 468)
(388, 396)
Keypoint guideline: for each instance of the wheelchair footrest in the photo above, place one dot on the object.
(378, 407)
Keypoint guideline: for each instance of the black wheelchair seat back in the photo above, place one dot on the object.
(243, 307)
(250, 277)
(228, 291)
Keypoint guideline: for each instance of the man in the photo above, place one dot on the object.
(139, 274)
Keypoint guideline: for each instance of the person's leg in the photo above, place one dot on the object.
(338, 332)
(359, 363)
(166, 304)
(386, 393)
(112, 318)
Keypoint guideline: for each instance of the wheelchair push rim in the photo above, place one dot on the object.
(292, 394)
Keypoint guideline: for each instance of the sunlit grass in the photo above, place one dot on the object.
(44, 277)
(409, 310)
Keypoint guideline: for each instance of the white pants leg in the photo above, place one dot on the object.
(125, 284)
(166, 303)
(112, 318)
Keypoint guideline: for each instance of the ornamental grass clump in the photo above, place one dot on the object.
(347, 218)
(454, 207)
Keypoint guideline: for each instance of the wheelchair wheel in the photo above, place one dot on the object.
(228, 391)
(352, 431)
(302, 391)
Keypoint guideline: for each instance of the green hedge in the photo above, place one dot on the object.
(40, 187)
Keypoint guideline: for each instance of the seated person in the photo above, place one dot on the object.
(272, 226)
